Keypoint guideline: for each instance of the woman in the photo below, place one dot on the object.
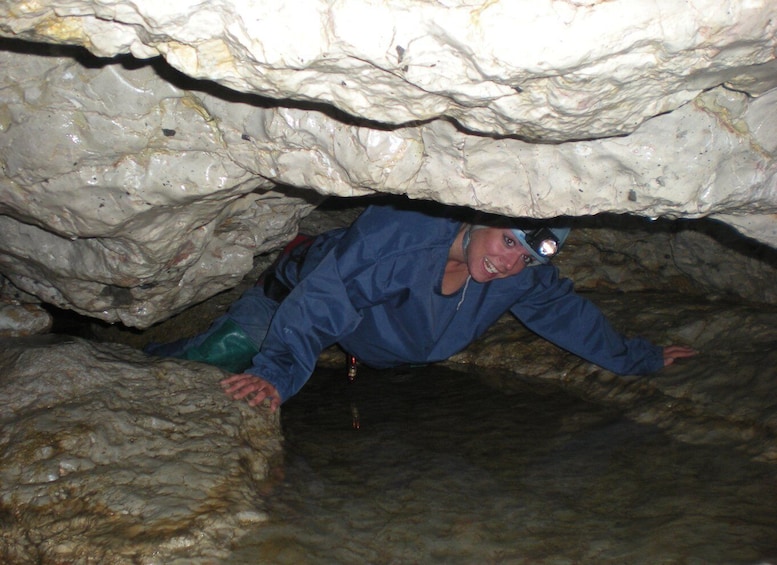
(403, 286)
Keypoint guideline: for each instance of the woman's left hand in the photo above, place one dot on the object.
(674, 352)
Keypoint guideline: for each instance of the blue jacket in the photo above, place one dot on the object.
(375, 288)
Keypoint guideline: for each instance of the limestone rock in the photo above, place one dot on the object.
(23, 319)
(704, 258)
(726, 394)
(109, 457)
(550, 71)
(120, 200)
(127, 197)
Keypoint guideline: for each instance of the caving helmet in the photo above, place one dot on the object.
(543, 243)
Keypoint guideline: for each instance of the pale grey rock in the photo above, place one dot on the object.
(696, 258)
(111, 457)
(126, 195)
(120, 200)
(128, 198)
(131, 193)
(23, 319)
(550, 71)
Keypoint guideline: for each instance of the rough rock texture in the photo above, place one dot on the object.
(627, 254)
(130, 192)
(551, 71)
(109, 457)
(103, 427)
(724, 395)
(727, 394)
(120, 200)
(23, 319)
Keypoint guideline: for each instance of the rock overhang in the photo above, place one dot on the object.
(150, 183)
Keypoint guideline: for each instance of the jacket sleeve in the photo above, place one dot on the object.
(324, 307)
(314, 315)
(554, 311)
(375, 260)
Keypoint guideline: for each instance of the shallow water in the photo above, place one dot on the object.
(443, 469)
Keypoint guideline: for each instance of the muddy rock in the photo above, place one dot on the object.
(108, 456)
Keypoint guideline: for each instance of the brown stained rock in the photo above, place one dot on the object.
(108, 456)
(23, 319)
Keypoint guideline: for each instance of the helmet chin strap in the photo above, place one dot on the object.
(465, 240)
(468, 237)
(465, 249)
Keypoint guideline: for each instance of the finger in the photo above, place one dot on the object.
(671, 358)
(240, 387)
(258, 399)
(247, 389)
(231, 380)
(683, 355)
(682, 352)
(274, 400)
(242, 383)
(235, 390)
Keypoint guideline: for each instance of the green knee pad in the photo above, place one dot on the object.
(228, 348)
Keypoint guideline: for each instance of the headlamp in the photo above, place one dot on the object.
(543, 243)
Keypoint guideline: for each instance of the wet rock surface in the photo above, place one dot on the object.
(108, 453)
(446, 470)
(130, 192)
(110, 457)
(726, 394)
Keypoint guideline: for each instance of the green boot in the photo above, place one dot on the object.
(228, 348)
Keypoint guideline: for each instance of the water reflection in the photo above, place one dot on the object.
(446, 470)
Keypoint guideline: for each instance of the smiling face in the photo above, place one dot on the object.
(495, 253)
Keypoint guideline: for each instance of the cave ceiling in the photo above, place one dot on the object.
(150, 150)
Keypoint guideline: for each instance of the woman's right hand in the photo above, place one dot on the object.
(674, 352)
(254, 389)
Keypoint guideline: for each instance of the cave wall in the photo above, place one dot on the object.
(134, 186)
(150, 152)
